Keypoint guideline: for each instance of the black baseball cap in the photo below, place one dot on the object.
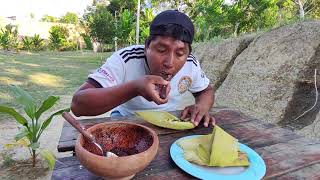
(173, 17)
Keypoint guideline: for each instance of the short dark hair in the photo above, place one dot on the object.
(173, 23)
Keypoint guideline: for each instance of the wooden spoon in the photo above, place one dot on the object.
(67, 116)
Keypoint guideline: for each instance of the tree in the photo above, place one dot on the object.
(310, 8)
(216, 18)
(70, 18)
(120, 5)
(146, 18)
(47, 18)
(124, 25)
(101, 24)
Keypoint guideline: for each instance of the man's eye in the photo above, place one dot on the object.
(180, 54)
(161, 50)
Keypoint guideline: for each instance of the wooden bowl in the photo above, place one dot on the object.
(135, 144)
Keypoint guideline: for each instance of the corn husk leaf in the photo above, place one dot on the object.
(165, 120)
(218, 149)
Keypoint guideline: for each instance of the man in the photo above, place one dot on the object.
(150, 77)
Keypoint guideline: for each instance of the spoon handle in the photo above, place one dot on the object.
(67, 116)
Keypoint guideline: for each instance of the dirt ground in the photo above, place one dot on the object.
(22, 168)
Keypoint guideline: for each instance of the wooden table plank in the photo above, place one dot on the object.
(309, 173)
(285, 153)
(291, 156)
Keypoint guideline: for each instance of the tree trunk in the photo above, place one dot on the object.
(301, 10)
(236, 29)
(138, 17)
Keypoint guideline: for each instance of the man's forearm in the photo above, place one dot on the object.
(95, 101)
(205, 97)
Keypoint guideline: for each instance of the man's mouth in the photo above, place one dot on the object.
(166, 76)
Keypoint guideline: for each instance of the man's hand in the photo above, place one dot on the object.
(200, 110)
(197, 113)
(150, 88)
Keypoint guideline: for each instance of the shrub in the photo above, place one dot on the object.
(4, 39)
(37, 42)
(68, 46)
(9, 37)
(27, 43)
(87, 41)
(58, 36)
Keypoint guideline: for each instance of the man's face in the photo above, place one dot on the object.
(166, 56)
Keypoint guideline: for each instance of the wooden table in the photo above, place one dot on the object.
(286, 154)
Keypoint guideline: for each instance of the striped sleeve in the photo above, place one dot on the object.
(136, 52)
(199, 79)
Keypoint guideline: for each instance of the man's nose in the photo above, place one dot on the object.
(168, 62)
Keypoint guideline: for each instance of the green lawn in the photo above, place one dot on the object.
(46, 73)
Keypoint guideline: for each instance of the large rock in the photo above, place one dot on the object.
(312, 130)
(217, 58)
(273, 78)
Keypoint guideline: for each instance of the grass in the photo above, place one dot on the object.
(45, 73)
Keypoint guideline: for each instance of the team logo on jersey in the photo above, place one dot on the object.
(184, 84)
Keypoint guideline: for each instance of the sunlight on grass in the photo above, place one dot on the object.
(5, 96)
(71, 66)
(56, 58)
(27, 64)
(47, 80)
(14, 71)
(7, 81)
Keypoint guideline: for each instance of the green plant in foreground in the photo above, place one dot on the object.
(32, 127)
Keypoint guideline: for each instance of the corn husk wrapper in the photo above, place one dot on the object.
(164, 119)
(217, 149)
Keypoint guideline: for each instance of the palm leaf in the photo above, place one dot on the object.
(25, 99)
(34, 146)
(48, 121)
(20, 119)
(49, 157)
(47, 104)
(23, 133)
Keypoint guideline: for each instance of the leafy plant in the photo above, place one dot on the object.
(58, 36)
(69, 17)
(27, 43)
(37, 42)
(32, 126)
(4, 39)
(87, 41)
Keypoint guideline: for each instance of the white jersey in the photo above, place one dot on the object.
(130, 64)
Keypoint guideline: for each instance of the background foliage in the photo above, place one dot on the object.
(111, 22)
(212, 18)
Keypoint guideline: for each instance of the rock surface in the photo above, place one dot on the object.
(217, 59)
(272, 77)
